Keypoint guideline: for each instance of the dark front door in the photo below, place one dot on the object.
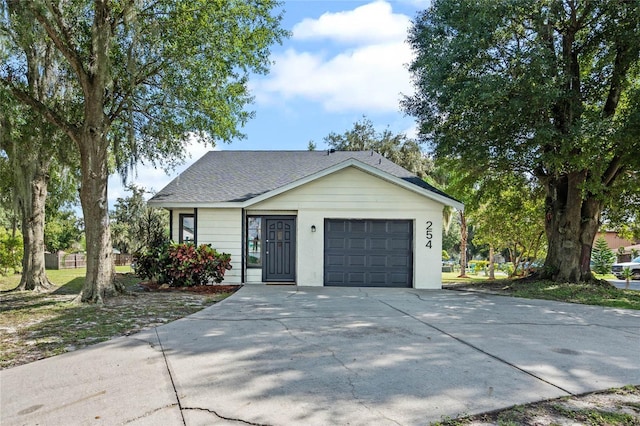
(280, 249)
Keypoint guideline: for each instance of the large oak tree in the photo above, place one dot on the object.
(33, 147)
(549, 89)
(144, 76)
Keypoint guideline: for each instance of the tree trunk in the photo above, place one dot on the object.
(99, 281)
(31, 180)
(492, 264)
(572, 221)
(463, 245)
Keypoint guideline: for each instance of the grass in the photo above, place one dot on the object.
(35, 326)
(71, 279)
(612, 407)
(585, 293)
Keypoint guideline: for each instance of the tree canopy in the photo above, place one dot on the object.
(547, 89)
(398, 148)
(137, 226)
(139, 79)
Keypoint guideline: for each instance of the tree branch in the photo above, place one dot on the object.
(621, 64)
(612, 172)
(61, 39)
(48, 114)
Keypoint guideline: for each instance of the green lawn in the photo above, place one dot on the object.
(71, 279)
(599, 294)
(38, 325)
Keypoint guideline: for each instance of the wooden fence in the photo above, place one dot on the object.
(62, 260)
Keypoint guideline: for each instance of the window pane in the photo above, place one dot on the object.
(187, 226)
(254, 233)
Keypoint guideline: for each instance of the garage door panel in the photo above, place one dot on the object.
(379, 227)
(335, 243)
(355, 243)
(379, 243)
(335, 260)
(399, 244)
(379, 278)
(399, 278)
(356, 226)
(334, 277)
(358, 278)
(372, 253)
(398, 261)
(356, 261)
(377, 261)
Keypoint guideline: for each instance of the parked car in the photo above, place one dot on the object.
(634, 265)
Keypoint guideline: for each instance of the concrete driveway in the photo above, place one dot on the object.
(319, 356)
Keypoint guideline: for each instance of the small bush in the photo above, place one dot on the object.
(11, 251)
(182, 265)
(151, 264)
(478, 265)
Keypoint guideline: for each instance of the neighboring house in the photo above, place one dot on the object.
(314, 218)
(614, 241)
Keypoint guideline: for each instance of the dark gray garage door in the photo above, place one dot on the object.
(368, 253)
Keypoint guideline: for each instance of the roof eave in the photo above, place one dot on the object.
(366, 168)
(191, 204)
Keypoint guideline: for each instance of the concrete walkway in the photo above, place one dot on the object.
(319, 356)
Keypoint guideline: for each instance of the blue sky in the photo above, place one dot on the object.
(345, 59)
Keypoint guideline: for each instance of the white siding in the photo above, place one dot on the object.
(353, 194)
(222, 228)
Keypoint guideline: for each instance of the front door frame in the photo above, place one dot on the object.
(292, 254)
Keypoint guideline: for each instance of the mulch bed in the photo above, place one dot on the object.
(199, 289)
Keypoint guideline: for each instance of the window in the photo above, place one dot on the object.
(254, 245)
(187, 232)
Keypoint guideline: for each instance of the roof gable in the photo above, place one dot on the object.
(243, 178)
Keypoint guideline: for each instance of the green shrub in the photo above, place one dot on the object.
(182, 265)
(478, 265)
(11, 251)
(152, 263)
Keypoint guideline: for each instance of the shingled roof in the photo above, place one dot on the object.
(237, 176)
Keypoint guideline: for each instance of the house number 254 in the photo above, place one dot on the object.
(429, 233)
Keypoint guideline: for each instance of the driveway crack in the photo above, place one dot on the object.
(173, 384)
(230, 419)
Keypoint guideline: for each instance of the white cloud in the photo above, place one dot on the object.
(367, 77)
(373, 22)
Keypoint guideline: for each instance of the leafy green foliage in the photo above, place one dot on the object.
(62, 231)
(135, 226)
(627, 274)
(508, 213)
(398, 148)
(182, 265)
(548, 90)
(140, 80)
(602, 257)
(11, 251)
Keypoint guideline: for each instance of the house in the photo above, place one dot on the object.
(615, 241)
(314, 218)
